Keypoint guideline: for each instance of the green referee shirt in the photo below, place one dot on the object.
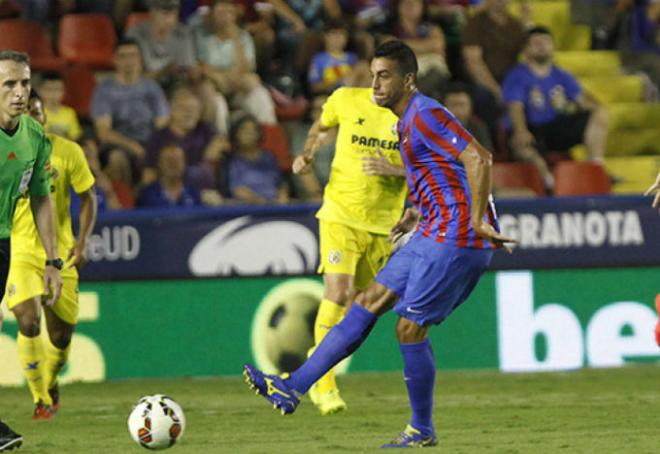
(24, 166)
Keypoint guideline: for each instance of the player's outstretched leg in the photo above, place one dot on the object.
(8, 438)
(341, 341)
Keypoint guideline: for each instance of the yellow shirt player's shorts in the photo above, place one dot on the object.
(26, 281)
(347, 250)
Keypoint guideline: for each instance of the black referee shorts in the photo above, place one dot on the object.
(4, 265)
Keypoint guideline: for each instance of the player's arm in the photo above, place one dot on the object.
(655, 189)
(88, 210)
(478, 163)
(380, 166)
(44, 219)
(107, 134)
(313, 142)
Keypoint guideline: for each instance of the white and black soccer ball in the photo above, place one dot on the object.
(156, 422)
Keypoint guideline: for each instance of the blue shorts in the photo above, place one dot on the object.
(432, 279)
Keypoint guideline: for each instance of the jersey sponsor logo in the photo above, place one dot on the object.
(374, 142)
(11, 156)
(334, 257)
(245, 246)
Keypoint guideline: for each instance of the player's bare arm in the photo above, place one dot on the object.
(380, 166)
(44, 219)
(313, 142)
(478, 164)
(88, 208)
(655, 189)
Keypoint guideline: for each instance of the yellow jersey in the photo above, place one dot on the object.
(63, 122)
(370, 203)
(68, 169)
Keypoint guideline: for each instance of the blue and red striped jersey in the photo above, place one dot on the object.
(431, 140)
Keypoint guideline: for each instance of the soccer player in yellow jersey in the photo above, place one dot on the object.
(25, 290)
(362, 201)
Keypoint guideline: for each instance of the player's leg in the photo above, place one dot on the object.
(61, 321)
(31, 353)
(340, 248)
(24, 291)
(441, 279)
(8, 438)
(341, 341)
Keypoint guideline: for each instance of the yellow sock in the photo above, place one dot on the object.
(55, 360)
(31, 356)
(329, 314)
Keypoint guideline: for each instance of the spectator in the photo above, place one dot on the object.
(253, 175)
(493, 39)
(170, 190)
(203, 146)
(335, 67)
(61, 120)
(641, 48)
(428, 42)
(228, 59)
(117, 164)
(106, 197)
(127, 108)
(548, 110)
(457, 100)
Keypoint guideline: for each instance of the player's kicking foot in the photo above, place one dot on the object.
(329, 402)
(42, 412)
(412, 438)
(8, 438)
(54, 393)
(272, 388)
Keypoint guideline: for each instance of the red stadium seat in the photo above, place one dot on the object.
(581, 178)
(134, 19)
(275, 140)
(79, 83)
(31, 38)
(88, 39)
(517, 175)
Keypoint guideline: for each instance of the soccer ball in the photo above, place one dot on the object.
(156, 422)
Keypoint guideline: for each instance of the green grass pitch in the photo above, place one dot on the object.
(588, 411)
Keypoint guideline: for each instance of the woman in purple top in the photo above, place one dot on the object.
(253, 175)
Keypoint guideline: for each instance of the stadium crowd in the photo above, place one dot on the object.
(206, 102)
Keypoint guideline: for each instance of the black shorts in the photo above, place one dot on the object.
(4, 265)
(562, 133)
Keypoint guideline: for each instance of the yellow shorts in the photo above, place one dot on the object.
(347, 250)
(26, 281)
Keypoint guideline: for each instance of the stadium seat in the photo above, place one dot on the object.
(580, 178)
(275, 140)
(79, 83)
(88, 39)
(589, 63)
(31, 38)
(629, 88)
(516, 176)
(633, 174)
(134, 19)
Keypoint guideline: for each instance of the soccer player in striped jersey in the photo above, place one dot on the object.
(449, 177)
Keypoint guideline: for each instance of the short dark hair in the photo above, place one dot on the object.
(399, 52)
(454, 88)
(14, 55)
(34, 94)
(334, 24)
(50, 76)
(538, 30)
(239, 122)
(126, 42)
